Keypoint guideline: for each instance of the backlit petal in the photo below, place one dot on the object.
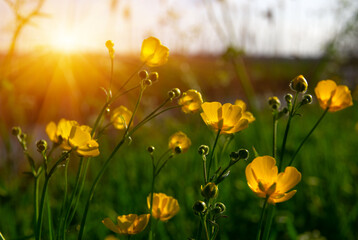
(287, 179)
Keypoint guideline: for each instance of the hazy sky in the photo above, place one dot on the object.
(289, 27)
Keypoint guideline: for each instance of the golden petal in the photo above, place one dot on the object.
(288, 179)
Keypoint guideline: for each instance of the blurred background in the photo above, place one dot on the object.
(53, 64)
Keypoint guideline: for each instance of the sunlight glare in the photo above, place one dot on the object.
(65, 41)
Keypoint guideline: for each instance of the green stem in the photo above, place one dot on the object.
(36, 200)
(308, 135)
(105, 165)
(283, 148)
(259, 232)
(43, 196)
(204, 170)
(274, 136)
(268, 223)
(212, 153)
(151, 200)
(61, 218)
(205, 228)
(49, 217)
(200, 229)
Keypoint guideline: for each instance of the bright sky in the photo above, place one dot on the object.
(296, 27)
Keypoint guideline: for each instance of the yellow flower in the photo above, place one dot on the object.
(245, 114)
(81, 141)
(121, 117)
(227, 117)
(190, 101)
(299, 84)
(164, 207)
(179, 139)
(153, 53)
(264, 180)
(333, 97)
(59, 133)
(128, 224)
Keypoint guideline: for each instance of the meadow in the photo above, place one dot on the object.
(49, 87)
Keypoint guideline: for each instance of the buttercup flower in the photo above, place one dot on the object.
(227, 117)
(128, 224)
(245, 114)
(60, 133)
(81, 141)
(164, 207)
(333, 97)
(121, 117)
(153, 53)
(179, 139)
(190, 101)
(264, 180)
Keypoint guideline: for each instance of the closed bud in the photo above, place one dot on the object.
(199, 207)
(177, 92)
(210, 190)
(23, 136)
(177, 150)
(243, 154)
(171, 94)
(219, 207)
(203, 150)
(41, 146)
(274, 102)
(143, 74)
(288, 97)
(307, 99)
(299, 84)
(109, 44)
(16, 131)
(147, 82)
(285, 110)
(151, 149)
(154, 76)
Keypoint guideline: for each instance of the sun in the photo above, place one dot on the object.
(65, 41)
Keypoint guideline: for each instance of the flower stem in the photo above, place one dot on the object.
(283, 148)
(212, 153)
(274, 136)
(308, 135)
(268, 222)
(259, 232)
(43, 196)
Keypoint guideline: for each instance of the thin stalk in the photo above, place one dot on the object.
(283, 148)
(204, 170)
(130, 77)
(64, 201)
(205, 228)
(105, 165)
(151, 200)
(308, 135)
(49, 217)
(259, 232)
(212, 153)
(200, 229)
(165, 162)
(43, 196)
(268, 223)
(274, 136)
(36, 199)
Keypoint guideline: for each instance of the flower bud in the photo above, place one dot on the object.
(178, 150)
(16, 131)
(41, 146)
(210, 190)
(177, 92)
(23, 136)
(151, 149)
(274, 102)
(109, 44)
(243, 154)
(199, 207)
(299, 84)
(147, 82)
(143, 74)
(219, 207)
(307, 99)
(203, 150)
(171, 94)
(288, 97)
(154, 76)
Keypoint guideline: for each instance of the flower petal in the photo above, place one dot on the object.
(110, 225)
(287, 180)
(282, 198)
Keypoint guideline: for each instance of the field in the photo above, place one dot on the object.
(51, 86)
